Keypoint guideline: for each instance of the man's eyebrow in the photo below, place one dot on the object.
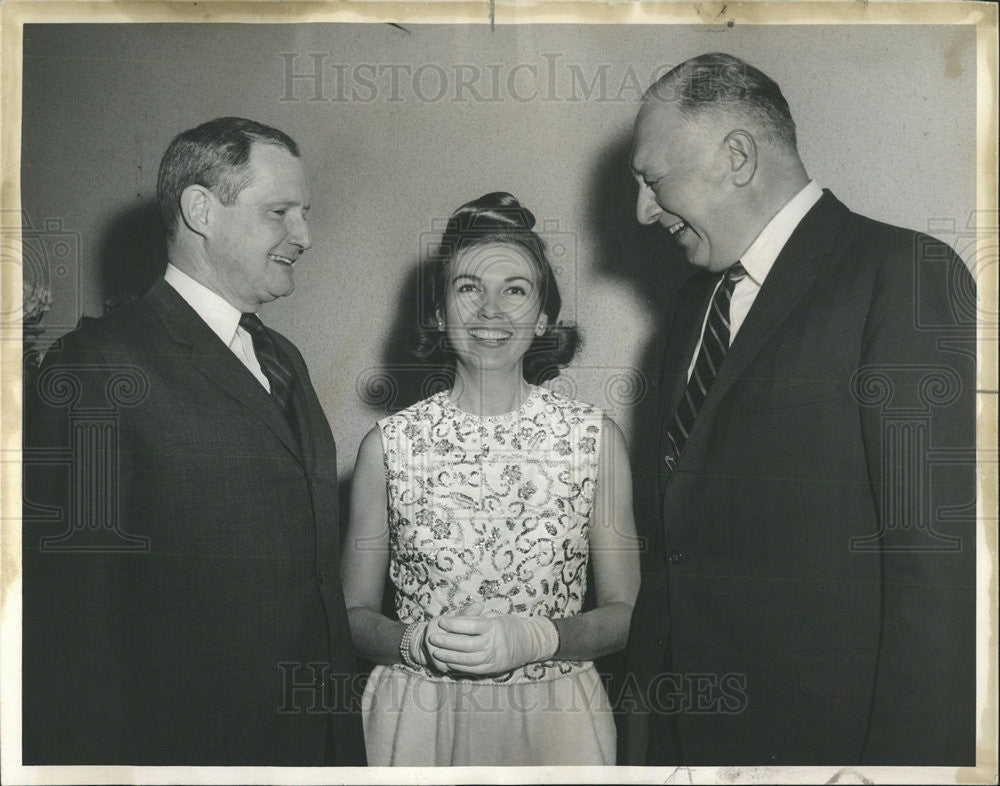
(648, 180)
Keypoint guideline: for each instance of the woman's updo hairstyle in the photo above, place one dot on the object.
(496, 218)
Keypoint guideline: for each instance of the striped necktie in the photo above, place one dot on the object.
(714, 345)
(273, 362)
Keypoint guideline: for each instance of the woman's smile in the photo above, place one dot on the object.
(492, 337)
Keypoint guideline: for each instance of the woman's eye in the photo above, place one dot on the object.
(279, 211)
(516, 290)
(465, 288)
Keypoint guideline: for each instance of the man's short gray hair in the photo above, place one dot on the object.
(717, 81)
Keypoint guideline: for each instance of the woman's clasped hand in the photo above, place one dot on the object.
(471, 642)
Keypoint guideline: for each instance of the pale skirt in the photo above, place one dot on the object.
(414, 720)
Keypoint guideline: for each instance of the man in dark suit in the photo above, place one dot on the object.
(809, 596)
(182, 602)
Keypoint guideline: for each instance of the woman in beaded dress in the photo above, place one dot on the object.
(484, 504)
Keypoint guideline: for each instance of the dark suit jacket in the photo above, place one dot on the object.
(185, 634)
(809, 597)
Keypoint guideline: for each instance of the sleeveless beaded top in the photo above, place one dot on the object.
(492, 509)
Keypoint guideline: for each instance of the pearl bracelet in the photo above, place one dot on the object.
(404, 645)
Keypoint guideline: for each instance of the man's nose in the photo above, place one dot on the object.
(647, 209)
(298, 232)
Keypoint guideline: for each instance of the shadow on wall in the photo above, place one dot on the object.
(132, 253)
(399, 379)
(645, 260)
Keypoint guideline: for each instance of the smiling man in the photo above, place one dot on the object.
(809, 594)
(182, 602)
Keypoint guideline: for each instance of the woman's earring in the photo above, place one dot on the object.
(540, 328)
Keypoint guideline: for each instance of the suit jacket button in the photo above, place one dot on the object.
(674, 557)
(320, 576)
(660, 643)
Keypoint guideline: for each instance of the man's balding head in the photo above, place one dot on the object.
(720, 85)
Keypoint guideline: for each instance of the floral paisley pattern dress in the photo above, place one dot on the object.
(492, 510)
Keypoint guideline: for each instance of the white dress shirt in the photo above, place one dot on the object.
(759, 258)
(221, 316)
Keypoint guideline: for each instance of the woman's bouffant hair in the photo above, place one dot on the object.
(495, 218)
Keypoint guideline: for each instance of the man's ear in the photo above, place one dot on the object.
(196, 208)
(741, 150)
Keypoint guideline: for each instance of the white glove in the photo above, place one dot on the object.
(491, 644)
(419, 648)
(429, 659)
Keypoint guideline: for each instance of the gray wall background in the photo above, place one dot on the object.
(886, 118)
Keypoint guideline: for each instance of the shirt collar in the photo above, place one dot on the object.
(220, 315)
(759, 258)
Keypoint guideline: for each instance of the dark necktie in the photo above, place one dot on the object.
(273, 362)
(714, 345)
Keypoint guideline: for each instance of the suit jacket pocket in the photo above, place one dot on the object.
(837, 672)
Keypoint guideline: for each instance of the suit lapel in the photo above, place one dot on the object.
(300, 406)
(216, 361)
(791, 276)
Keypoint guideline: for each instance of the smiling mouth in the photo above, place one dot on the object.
(288, 261)
(673, 229)
(494, 337)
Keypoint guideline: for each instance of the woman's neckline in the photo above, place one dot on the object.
(533, 391)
